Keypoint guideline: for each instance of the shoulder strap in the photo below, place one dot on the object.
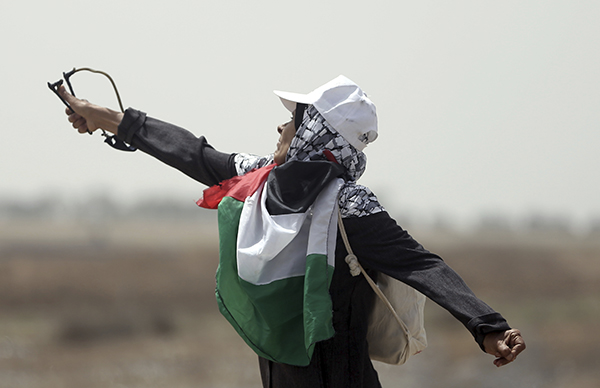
(356, 269)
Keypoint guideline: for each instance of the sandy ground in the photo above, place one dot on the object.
(132, 305)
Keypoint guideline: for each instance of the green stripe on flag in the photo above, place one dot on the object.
(282, 320)
(318, 309)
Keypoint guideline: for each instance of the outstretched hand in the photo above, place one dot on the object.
(504, 345)
(87, 117)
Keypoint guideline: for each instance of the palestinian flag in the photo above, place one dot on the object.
(277, 233)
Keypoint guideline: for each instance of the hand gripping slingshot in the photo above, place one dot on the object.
(110, 140)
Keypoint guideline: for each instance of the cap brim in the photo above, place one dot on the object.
(290, 99)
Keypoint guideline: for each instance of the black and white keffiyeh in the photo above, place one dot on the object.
(247, 162)
(314, 136)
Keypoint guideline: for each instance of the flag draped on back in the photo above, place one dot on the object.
(277, 233)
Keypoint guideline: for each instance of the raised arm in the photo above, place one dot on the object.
(168, 143)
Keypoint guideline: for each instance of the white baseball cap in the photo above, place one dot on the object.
(345, 107)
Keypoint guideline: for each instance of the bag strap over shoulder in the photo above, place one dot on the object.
(356, 269)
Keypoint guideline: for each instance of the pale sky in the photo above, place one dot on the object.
(485, 107)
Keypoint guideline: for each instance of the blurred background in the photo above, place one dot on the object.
(487, 155)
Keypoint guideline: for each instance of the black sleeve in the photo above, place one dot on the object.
(176, 147)
(381, 245)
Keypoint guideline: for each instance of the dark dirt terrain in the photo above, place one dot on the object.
(132, 305)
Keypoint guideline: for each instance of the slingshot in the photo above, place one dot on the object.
(110, 140)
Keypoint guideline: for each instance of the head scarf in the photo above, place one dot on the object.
(313, 137)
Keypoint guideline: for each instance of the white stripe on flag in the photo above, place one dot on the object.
(271, 248)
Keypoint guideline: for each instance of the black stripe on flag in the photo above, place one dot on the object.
(294, 186)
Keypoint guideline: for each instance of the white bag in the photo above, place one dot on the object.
(390, 340)
(396, 324)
